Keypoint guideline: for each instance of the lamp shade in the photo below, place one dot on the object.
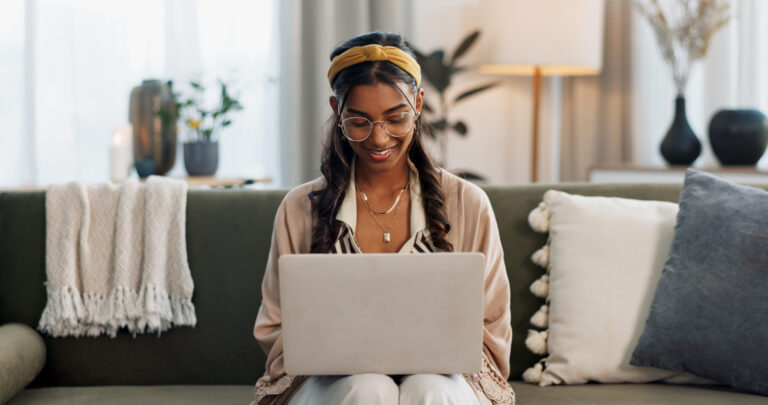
(560, 37)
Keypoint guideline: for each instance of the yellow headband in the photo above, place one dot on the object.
(373, 52)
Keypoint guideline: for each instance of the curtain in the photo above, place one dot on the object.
(311, 29)
(596, 110)
(69, 67)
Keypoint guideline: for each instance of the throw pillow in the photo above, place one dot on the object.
(604, 258)
(710, 312)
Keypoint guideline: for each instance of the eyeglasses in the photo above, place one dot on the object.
(397, 125)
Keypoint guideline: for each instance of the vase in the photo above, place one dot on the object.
(680, 146)
(201, 158)
(738, 137)
(144, 168)
(152, 114)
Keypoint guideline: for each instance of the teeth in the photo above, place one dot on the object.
(380, 152)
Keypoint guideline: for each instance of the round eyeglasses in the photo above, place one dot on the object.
(397, 125)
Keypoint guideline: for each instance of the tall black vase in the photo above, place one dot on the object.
(680, 146)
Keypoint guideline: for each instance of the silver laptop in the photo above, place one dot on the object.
(382, 313)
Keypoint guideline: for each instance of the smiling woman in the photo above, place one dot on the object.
(381, 193)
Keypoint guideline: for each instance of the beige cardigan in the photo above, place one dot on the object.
(473, 229)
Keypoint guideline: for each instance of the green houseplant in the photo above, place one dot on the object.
(439, 70)
(203, 125)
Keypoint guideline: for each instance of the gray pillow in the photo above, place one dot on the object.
(709, 315)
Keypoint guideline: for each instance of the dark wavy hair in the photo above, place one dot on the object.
(337, 154)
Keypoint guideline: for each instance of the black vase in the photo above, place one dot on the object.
(738, 137)
(680, 146)
(201, 158)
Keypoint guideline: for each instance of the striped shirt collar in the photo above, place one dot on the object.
(348, 210)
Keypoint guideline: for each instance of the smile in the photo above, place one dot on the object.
(381, 154)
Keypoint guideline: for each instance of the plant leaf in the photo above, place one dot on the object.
(474, 91)
(439, 125)
(436, 72)
(464, 46)
(460, 127)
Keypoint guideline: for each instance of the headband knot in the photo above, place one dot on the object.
(374, 53)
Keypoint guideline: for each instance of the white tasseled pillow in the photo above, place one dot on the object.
(603, 258)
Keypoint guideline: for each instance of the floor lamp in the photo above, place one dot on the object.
(543, 38)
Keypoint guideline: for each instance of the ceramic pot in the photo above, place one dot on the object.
(738, 137)
(201, 158)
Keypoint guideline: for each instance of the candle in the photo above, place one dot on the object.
(120, 154)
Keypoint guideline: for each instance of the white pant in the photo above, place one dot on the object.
(380, 389)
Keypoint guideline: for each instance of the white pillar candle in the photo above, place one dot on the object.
(120, 154)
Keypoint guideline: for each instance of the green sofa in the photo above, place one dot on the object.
(217, 362)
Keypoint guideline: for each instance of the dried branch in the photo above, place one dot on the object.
(684, 29)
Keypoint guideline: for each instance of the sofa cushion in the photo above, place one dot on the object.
(632, 394)
(22, 355)
(511, 205)
(142, 394)
(605, 257)
(597, 394)
(709, 311)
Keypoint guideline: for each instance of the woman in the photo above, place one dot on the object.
(381, 193)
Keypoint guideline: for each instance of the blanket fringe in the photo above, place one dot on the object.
(150, 310)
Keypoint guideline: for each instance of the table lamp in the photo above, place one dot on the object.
(543, 38)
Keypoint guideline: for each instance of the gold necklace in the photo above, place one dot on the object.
(387, 234)
(397, 200)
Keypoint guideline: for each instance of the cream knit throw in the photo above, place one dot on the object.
(116, 256)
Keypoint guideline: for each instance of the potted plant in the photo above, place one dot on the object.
(203, 126)
(439, 71)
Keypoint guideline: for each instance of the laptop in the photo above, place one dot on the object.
(382, 313)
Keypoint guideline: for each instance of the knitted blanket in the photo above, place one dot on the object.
(116, 257)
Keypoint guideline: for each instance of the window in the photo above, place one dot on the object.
(68, 67)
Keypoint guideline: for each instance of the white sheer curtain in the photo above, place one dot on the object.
(68, 66)
(733, 75)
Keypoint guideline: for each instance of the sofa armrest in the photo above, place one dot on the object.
(22, 355)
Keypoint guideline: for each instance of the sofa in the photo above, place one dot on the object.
(218, 361)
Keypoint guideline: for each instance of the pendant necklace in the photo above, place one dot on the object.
(387, 234)
(397, 200)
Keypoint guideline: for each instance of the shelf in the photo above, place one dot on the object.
(192, 182)
(628, 173)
